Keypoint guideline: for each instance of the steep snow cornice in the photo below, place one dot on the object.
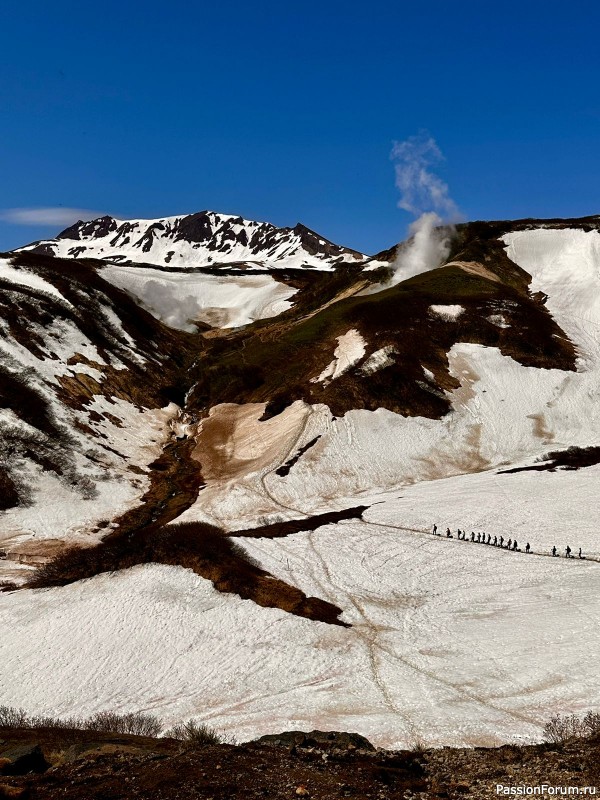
(196, 240)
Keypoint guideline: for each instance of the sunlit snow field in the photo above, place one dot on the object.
(450, 642)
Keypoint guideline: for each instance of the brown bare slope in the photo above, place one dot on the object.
(89, 764)
(205, 549)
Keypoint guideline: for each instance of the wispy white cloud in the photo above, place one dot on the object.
(58, 215)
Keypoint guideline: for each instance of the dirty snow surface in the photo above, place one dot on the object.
(181, 298)
(349, 351)
(450, 642)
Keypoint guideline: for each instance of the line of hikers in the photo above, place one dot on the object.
(511, 544)
(568, 552)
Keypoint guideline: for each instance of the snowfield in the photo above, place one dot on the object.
(447, 312)
(381, 358)
(450, 642)
(23, 277)
(565, 265)
(181, 298)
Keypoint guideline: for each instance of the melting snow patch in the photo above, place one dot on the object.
(350, 350)
(378, 360)
(498, 320)
(565, 266)
(448, 313)
(23, 277)
(181, 298)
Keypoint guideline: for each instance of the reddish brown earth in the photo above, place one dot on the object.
(571, 458)
(93, 766)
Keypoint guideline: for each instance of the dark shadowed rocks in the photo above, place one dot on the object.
(22, 759)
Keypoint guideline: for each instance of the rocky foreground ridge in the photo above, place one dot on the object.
(323, 766)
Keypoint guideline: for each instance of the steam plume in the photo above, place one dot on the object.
(421, 190)
(425, 194)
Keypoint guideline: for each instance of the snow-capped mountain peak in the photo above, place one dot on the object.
(197, 240)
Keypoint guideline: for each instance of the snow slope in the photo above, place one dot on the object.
(565, 265)
(23, 277)
(503, 413)
(451, 642)
(181, 298)
(70, 459)
(350, 350)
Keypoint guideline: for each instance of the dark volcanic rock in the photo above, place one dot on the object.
(194, 228)
(166, 769)
(324, 740)
(97, 227)
(22, 759)
(313, 243)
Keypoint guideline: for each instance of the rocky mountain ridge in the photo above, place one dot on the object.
(196, 240)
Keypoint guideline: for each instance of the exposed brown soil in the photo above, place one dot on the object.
(205, 549)
(571, 458)
(94, 766)
(175, 481)
(279, 529)
(275, 361)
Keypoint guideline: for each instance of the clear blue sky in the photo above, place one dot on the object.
(287, 111)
